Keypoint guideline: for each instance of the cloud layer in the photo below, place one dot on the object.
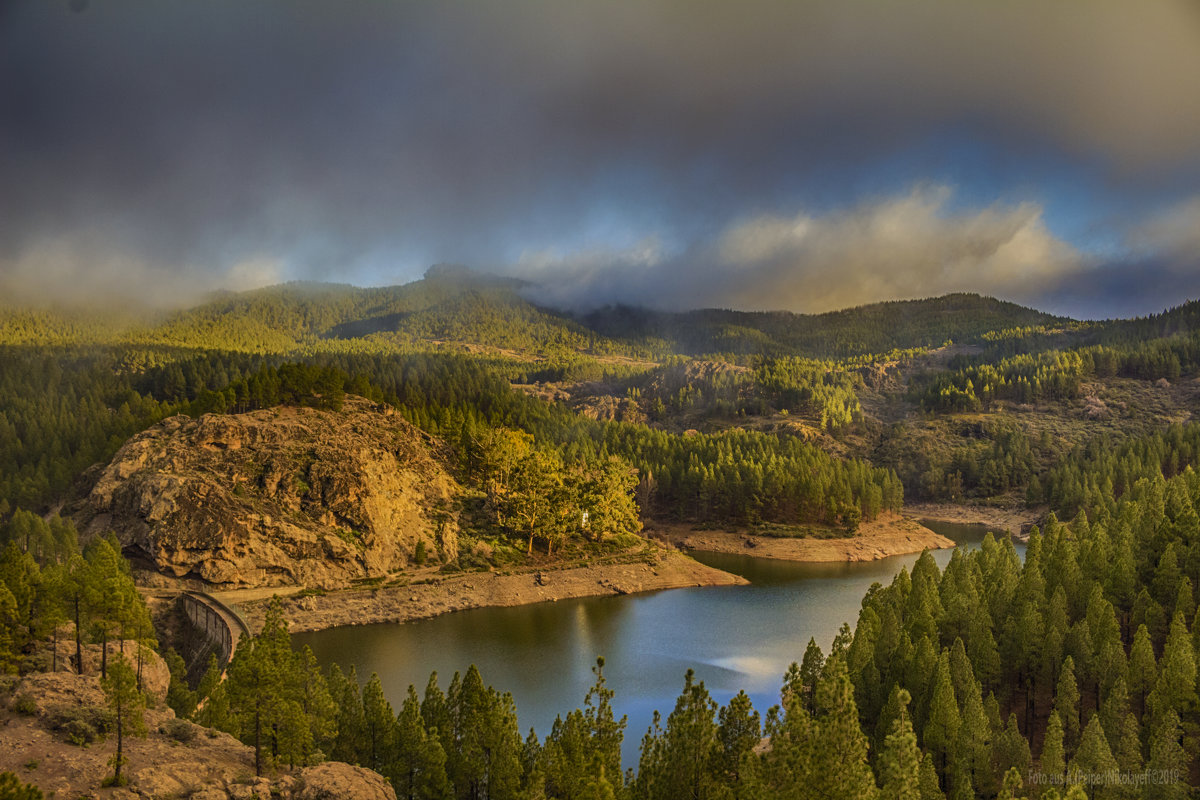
(364, 141)
(896, 248)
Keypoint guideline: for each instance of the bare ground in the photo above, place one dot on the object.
(1017, 520)
(888, 535)
(440, 594)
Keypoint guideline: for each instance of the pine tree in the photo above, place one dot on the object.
(1012, 749)
(840, 747)
(1168, 760)
(180, 698)
(1129, 752)
(1143, 668)
(128, 706)
(900, 760)
(1066, 703)
(1053, 759)
(811, 667)
(930, 786)
(974, 745)
(738, 732)
(1094, 760)
(1176, 684)
(943, 721)
(676, 761)
(1010, 787)
(350, 744)
(418, 767)
(379, 724)
(317, 706)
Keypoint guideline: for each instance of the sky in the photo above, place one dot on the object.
(761, 154)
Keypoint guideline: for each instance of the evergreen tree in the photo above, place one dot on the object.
(811, 668)
(128, 706)
(417, 769)
(1094, 761)
(738, 732)
(1053, 759)
(1066, 703)
(1143, 668)
(379, 725)
(350, 744)
(900, 761)
(180, 698)
(943, 721)
(1176, 684)
(839, 752)
(931, 788)
(677, 760)
(1168, 762)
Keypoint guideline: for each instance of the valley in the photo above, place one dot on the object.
(351, 468)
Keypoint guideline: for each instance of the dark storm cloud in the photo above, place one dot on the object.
(179, 145)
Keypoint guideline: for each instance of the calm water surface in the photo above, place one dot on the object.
(735, 637)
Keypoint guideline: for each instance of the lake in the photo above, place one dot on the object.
(735, 637)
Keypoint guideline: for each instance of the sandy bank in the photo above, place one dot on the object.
(442, 594)
(888, 535)
(1017, 520)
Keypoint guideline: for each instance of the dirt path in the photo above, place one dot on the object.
(663, 569)
(888, 535)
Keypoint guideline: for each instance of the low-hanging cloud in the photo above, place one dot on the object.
(196, 137)
(901, 247)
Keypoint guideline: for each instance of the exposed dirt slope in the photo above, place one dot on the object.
(888, 535)
(662, 569)
(283, 496)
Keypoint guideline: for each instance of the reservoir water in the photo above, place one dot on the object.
(735, 637)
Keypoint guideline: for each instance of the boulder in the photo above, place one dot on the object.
(334, 780)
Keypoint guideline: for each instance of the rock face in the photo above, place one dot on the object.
(334, 780)
(284, 496)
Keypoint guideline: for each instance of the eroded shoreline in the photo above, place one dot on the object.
(1017, 520)
(887, 535)
(665, 569)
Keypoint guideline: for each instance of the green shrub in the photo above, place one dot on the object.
(80, 725)
(11, 788)
(180, 730)
(419, 554)
(25, 703)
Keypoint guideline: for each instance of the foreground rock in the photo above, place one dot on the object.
(284, 496)
(888, 535)
(176, 759)
(660, 569)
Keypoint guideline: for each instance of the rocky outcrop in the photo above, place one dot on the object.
(284, 496)
(175, 758)
(335, 780)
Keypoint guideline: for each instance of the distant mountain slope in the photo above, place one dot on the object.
(447, 306)
(455, 306)
(865, 329)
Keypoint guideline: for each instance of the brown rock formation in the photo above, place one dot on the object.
(334, 780)
(175, 759)
(283, 496)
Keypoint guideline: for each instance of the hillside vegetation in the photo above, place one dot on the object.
(557, 435)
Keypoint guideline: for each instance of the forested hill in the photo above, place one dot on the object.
(856, 397)
(856, 331)
(457, 307)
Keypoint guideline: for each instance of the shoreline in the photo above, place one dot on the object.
(888, 535)
(1016, 520)
(666, 569)
(891, 534)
